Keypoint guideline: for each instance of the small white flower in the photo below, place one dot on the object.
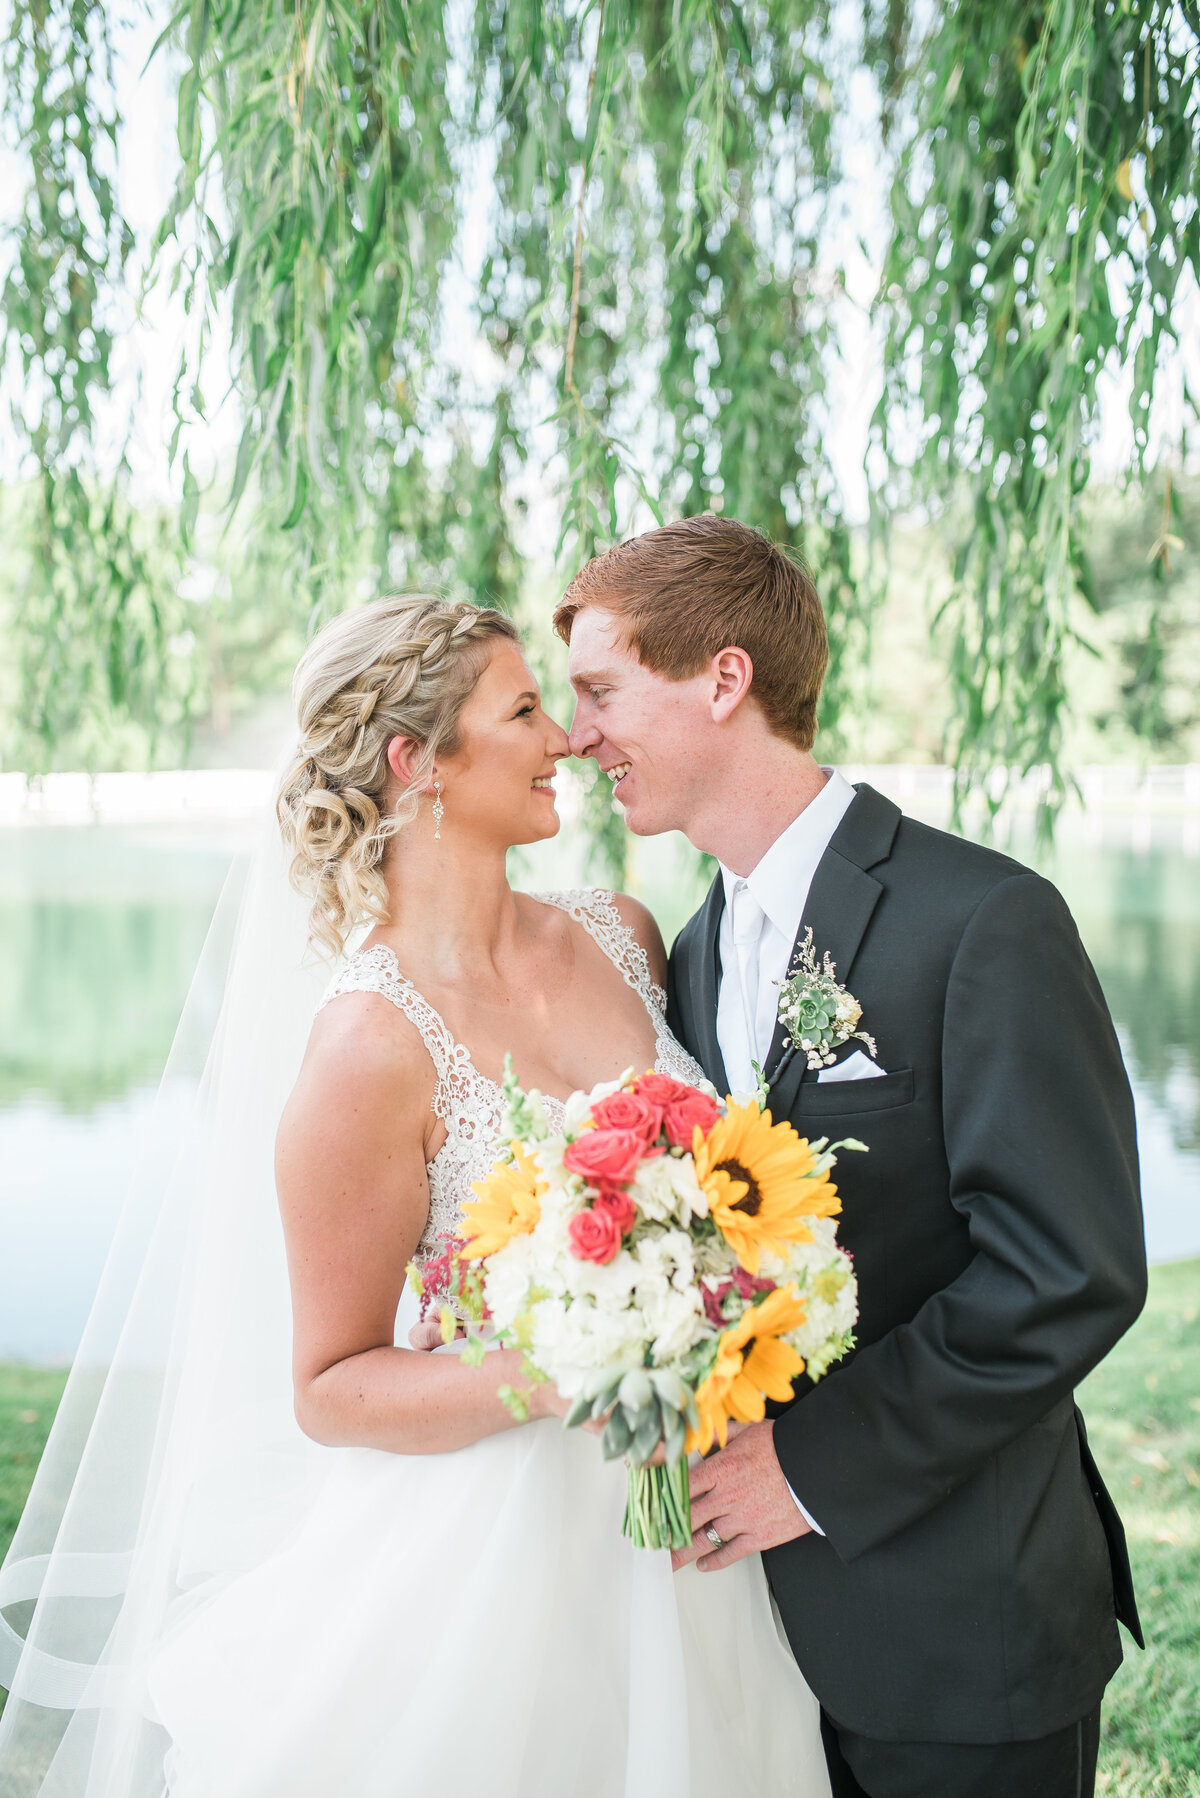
(666, 1260)
(666, 1190)
(677, 1320)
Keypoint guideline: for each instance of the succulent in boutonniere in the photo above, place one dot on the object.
(817, 1011)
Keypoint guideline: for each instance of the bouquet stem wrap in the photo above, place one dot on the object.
(658, 1506)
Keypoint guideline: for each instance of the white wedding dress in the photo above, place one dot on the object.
(475, 1621)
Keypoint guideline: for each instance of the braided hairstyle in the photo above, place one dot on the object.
(401, 667)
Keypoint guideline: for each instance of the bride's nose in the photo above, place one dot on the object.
(559, 744)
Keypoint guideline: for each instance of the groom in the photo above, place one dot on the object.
(947, 1563)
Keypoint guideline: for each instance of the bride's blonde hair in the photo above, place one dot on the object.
(400, 667)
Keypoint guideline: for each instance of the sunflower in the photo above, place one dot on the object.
(509, 1204)
(760, 1183)
(752, 1365)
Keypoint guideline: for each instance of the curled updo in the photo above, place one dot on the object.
(401, 667)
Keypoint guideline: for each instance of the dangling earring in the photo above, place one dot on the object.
(439, 811)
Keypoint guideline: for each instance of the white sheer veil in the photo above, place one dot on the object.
(175, 1461)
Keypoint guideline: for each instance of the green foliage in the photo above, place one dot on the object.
(1142, 571)
(93, 611)
(506, 281)
(29, 1398)
(1144, 1422)
(1044, 208)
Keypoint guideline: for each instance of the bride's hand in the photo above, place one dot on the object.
(426, 1335)
(545, 1400)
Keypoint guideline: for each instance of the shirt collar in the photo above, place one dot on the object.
(781, 879)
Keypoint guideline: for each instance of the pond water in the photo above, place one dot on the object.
(101, 925)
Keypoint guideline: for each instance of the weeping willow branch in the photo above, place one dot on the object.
(1021, 266)
(577, 265)
(93, 611)
(370, 190)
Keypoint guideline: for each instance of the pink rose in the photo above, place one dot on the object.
(685, 1114)
(629, 1111)
(661, 1090)
(595, 1235)
(606, 1157)
(619, 1206)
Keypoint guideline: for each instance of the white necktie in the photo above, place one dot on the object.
(747, 921)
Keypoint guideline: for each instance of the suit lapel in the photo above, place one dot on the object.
(705, 988)
(839, 907)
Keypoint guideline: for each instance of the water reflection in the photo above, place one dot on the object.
(101, 931)
(102, 927)
(1139, 915)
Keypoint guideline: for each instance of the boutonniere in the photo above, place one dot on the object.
(817, 1011)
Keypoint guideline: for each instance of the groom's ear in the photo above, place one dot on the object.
(731, 672)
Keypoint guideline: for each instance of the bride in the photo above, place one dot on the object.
(445, 1595)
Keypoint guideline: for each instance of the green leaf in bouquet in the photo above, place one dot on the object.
(474, 1351)
(604, 1400)
(617, 1435)
(672, 1391)
(579, 1413)
(647, 1435)
(674, 1434)
(636, 1390)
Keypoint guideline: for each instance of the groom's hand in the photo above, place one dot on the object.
(742, 1494)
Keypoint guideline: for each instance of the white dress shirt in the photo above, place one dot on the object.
(759, 925)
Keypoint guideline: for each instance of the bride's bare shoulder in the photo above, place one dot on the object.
(365, 1059)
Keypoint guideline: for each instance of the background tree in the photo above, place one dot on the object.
(515, 277)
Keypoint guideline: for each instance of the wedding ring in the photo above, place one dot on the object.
(711, 1533)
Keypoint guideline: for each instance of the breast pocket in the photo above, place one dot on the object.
(854, 1098)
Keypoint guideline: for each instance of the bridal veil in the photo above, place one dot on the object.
(175, 1462)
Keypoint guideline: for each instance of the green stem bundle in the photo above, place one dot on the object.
(658, 1508)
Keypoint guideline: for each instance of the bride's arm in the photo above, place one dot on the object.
(350, 1172)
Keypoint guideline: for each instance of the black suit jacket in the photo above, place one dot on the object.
(973, 1567)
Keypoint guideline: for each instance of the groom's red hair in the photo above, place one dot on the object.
(704, 584)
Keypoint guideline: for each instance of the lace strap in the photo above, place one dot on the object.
(377, 971)
(596, 910)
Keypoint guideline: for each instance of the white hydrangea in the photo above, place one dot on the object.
(607, 1283)
(549, 1157)
(573, 1339)
(665, 1260)
(508, 1280)
(676, 1321)
(666, 1190)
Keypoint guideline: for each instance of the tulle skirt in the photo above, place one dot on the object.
(475, 1622)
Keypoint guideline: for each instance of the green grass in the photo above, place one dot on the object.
(1143, 1413)
(28, 1400)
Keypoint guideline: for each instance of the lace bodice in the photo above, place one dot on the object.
(469, 1104)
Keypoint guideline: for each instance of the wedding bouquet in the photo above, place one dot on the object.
(670, 1263)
